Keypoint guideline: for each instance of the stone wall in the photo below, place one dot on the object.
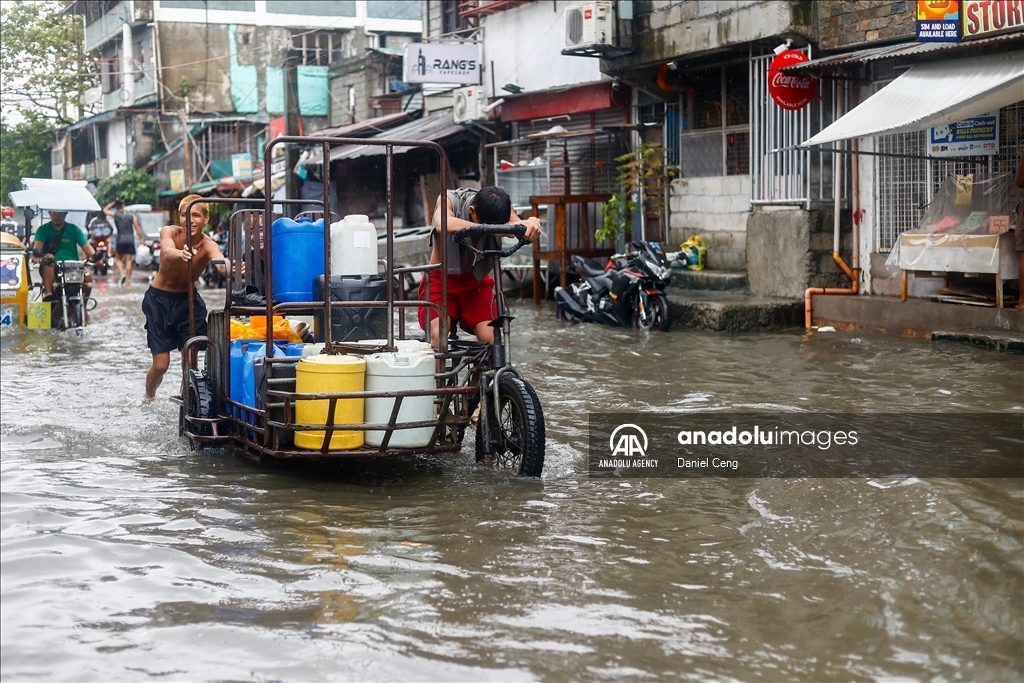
(791, 250)
(844, 24)
(716, 209)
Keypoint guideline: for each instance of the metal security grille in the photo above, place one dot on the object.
(905, 186)
(902, 192)
(792, 176)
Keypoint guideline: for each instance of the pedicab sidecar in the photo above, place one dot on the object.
(414, 395)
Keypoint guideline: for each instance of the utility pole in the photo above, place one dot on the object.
(291, 121)
(183, 117)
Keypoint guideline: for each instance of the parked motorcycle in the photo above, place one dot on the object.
(626, 290)
(100, 235)
(154, 252)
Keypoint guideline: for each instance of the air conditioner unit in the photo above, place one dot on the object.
(469, 104)
(589, 24)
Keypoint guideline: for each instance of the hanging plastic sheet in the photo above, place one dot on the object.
(963, 228)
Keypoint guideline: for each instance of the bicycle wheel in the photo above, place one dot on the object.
(517, 429)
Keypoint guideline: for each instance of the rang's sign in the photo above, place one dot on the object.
(442, 63)
(974, 136)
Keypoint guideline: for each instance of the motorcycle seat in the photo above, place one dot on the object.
(589, 267)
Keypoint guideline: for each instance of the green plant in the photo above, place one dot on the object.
(46, 68)
(131, 185)
(24, 152)
(615, 215)
(642, 172)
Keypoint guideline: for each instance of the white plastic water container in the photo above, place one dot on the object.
(403, 345)
(353, 246)
(312, 349)
(396, 372)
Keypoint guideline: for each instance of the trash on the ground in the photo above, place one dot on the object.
(826, 328)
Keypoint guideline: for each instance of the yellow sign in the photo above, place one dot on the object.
(964, 189)
(989, 17)
(39, 316)
(177, 180)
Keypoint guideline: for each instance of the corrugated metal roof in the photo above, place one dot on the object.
(435, 127)
(899, 51)
(98, 118)
(360, 129)
(933, 94)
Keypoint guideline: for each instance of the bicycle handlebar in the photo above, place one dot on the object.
(517, 230)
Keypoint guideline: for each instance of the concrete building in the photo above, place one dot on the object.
(215, 69)
(761, 204)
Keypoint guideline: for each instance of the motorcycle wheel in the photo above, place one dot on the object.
(198, 403)
(651, 312)
(517, 428)
(75, 314)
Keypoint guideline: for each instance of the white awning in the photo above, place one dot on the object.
(933, 94)
(55, 195)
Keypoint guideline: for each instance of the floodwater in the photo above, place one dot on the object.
(125, 556)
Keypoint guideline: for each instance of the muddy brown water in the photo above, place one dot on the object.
(125, 556)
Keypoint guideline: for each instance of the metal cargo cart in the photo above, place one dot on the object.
(468, 374)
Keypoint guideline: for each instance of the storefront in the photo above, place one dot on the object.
(932, 116)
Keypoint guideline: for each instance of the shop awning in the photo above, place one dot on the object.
(434, 127)
(55, 195)
(933, 94)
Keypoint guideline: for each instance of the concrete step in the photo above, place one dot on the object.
(997, 342)
(733, 311)
(710, 280)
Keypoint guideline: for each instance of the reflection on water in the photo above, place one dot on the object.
(126, 556)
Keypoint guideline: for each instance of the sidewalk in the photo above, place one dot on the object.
(915, 317)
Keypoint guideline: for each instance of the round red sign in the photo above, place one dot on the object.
(790, 91)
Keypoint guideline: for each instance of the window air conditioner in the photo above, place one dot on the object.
(589, 24)
(469, 104)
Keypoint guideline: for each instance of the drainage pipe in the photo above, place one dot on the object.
(837, 191)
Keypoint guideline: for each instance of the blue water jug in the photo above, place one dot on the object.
(298, 257)
(293, 349)
(238, 347)
(252, 351)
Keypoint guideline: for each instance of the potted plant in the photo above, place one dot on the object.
(643, 174)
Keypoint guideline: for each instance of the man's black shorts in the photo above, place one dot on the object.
(126, 247)
(167, 319)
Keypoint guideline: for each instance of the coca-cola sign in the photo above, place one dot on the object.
(790, 91)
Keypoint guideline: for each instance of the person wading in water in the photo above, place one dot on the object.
(166, 300)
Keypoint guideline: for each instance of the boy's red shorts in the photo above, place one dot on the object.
(470, 301)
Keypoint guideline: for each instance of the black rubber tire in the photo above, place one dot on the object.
(75, 313)
(518, 427)
(657, 319)
(198, 403)
(562, 314)
(102, 269)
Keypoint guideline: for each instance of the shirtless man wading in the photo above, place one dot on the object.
(166, 300)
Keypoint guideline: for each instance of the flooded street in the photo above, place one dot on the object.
(126, 556)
